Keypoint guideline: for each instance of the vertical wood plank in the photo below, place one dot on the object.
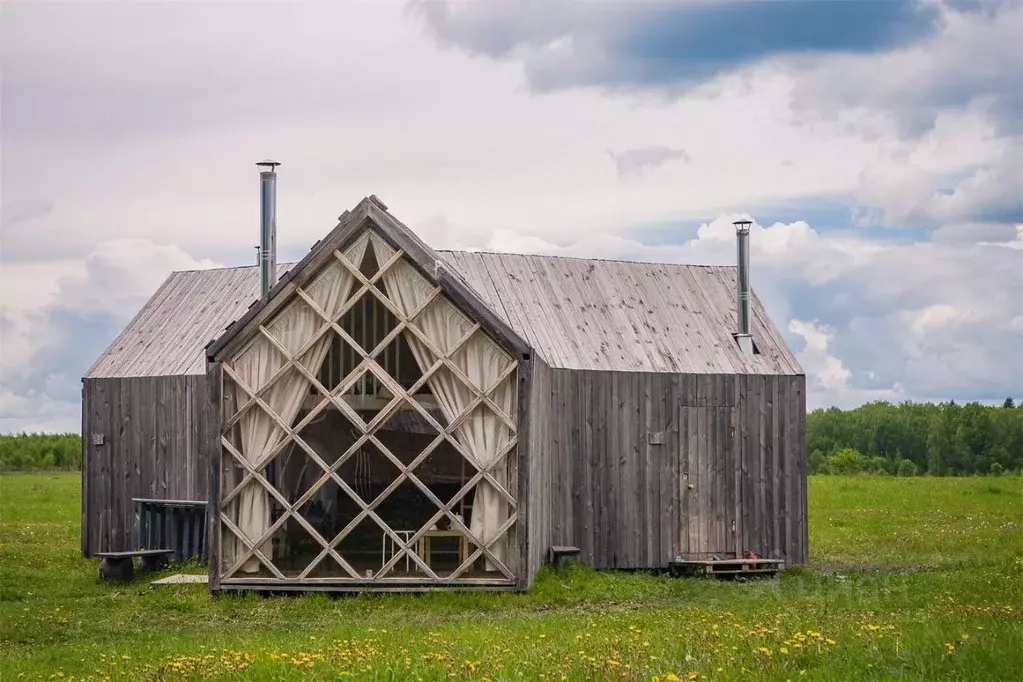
(747, 438)
(87, 426)
(673, 452)
(692, 489)
(103, 475)
(633, 422)
(653, 512)
(575, 460)
(682, 419)
(611, 470)
(634, 463)
(771, 469)
(804, 530)
(763, 458)
(711, 461)
(567, 459)
(600, 458)
(664, 474)
(703, 483)
(622, 489)
(788, 462)
(128, 460)
(213, 455)
(733, 475)
(585, 415)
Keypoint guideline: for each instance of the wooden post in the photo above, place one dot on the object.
(521, 566)
(214, 456)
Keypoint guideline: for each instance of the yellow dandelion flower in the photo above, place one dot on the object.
(783, 650)
(672, 677)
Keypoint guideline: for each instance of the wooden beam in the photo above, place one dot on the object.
(210, 443)
(468, 301)
(524, 434)
(399, 236)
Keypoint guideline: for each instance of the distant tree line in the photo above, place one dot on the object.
(33, 451)
(909, 439)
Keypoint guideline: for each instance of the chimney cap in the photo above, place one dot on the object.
(742, 226)
(268, 163)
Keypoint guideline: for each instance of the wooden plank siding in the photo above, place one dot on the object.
(539, 491)
(151, 429)
(728, 474)
(647, 466)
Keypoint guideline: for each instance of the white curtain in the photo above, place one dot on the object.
(293, 327)
(482, 434)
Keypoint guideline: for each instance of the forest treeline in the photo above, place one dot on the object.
(908, 439)
(32, 451)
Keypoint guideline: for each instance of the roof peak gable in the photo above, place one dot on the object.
(370, 214)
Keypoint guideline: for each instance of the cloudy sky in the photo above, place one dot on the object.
(877, 144)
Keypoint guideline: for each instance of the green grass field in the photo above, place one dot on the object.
(911, 579)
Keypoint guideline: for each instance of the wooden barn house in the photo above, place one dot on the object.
(387, 416)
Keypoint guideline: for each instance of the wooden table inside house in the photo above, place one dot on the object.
(424, 544)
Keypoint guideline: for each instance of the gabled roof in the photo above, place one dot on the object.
(189, 309)
(369, 214)
(625, 316)
(575, 313)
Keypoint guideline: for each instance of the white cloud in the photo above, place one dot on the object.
(120, 164)
(973, 62)
(827, 377)
(633, 163)
(48, 347)
(868, 320)
(431, 132)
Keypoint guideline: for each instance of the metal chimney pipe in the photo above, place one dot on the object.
(267, 226)
(743, 336)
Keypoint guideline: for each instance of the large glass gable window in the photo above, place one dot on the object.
(369, 434)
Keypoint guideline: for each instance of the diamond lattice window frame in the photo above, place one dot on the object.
(222, 373)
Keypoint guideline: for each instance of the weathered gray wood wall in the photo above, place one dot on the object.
(633, 468)
(539, 493)
(648, 466)
(151, 429)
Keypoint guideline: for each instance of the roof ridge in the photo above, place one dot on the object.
(628, 261)
(230, 267)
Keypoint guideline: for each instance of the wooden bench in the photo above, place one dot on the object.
(121, 565)
(559, 555)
